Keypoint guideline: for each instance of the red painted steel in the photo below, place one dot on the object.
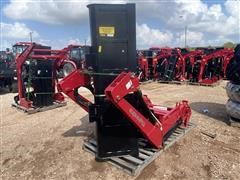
(127, 83)
(225, 54)
(58, 56)
(70, 84)
(124, 84)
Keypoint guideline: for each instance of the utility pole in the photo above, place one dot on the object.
(185, 29)
(30, 34)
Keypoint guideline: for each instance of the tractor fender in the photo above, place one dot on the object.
(233, 109)
(233, 92)
(233, 71)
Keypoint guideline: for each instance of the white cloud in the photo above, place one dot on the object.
(191, 7)
(233, 7)
(147, 36)
(211, 20)
(193, 38)
(51, 12)
(77, 41)
(208, 21)
(201, 17)
(216, 11)
(12, 33)
(219, 40)
(5, 44)
(16, 31)
(64, 42)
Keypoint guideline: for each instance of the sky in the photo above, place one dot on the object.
(58, 23)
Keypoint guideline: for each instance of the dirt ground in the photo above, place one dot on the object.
(48, 145)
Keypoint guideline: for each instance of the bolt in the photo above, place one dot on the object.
(132, 75)
(117, 98)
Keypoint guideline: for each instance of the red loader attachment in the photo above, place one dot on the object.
(123, 117)
(70, 85)
(143, 67)
(154, 121)
(158, 126)
(152, 63)
(200, 66)
(37, 68)
(213, 66)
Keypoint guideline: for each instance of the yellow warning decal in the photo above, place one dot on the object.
(99, 49)
(106, 31)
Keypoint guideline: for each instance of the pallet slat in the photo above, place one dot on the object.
(133, 165)
(124, 163)
(190, 83)
(146, 152)
(133, 159)
(91, 147)
(42, 109)
(143, 156)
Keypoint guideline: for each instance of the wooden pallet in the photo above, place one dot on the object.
(133, 165)
(173, 82)
(190, 83)
(202, 84)
(146, 82)
(41, 109)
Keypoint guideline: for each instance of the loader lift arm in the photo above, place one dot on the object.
(160, 120)
(70, 84)
(34, 51)
(156, 121)
(224, 54)
(191, 55)
(19, 63)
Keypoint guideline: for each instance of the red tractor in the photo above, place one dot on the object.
(213, 66)
(173, 64)
(74, 59)
(152, 62)
(142, 66)
(37, 67)
(202, 65)
(7, 67)
(19, 47)
(186, 63)
(38, 70)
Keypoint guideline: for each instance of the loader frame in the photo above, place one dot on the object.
(154, 122)
(58, 56)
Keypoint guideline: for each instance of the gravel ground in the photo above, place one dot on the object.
(48, 145)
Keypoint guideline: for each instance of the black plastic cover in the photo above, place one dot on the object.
(113, 37)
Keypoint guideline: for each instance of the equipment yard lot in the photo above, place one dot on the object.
(48, 145)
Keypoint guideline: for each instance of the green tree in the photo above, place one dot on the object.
(229, 45)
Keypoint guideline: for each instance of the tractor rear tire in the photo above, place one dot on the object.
(233, 92)
(68, 68)
(15, 87)
(233, 71)
(233, 109)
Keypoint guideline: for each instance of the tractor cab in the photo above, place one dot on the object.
(78, 55)
(18, 48)
(7, 66)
